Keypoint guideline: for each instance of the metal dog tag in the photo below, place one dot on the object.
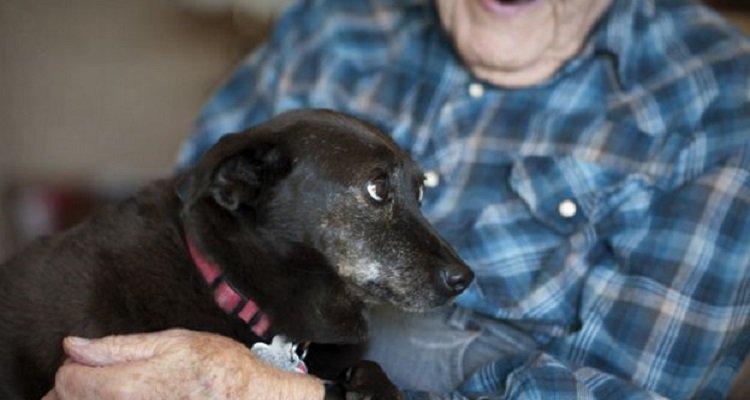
(281, 353)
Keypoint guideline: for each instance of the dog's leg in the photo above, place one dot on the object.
(329, 361)
(365, 381)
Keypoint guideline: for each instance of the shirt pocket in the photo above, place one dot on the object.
(551, 192)
(536, 241)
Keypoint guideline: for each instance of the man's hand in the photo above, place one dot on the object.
(174, 364)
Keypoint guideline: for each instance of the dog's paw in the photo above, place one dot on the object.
(367, 381)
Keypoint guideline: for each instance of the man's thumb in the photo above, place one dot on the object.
(114, 349)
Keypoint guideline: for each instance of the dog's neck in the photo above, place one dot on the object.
(302, 296)
(231, 300)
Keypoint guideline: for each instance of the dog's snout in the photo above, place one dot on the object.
(455, 278)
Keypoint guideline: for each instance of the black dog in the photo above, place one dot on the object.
(289, 228)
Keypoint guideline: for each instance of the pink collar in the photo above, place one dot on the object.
(227, 297)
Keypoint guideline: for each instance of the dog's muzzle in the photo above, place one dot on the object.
(454, 278)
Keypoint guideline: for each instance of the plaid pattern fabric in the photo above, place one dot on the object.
(608, 207)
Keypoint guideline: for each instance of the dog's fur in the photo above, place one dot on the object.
(285, 209)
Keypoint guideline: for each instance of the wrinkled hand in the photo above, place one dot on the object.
(173, 364)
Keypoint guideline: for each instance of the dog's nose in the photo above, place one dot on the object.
(455, 278)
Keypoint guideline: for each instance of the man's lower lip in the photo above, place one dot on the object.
(507, 7)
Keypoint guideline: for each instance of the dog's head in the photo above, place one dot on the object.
(336, 190)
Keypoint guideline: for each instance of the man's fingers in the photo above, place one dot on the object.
(117, 349)
(81, 382)
(75, 381)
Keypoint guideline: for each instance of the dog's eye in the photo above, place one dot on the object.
(378, 189)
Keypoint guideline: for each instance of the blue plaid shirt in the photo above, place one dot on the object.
(608, 207)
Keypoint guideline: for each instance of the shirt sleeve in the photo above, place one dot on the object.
(673, 318)
(539, 376)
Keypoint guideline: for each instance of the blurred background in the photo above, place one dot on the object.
(97, 95)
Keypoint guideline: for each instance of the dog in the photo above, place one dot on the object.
(293, 227)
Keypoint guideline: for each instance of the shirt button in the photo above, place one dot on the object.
(476, 90)
(431, 179)
(567, 208)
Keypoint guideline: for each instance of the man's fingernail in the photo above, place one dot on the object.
(78, 341)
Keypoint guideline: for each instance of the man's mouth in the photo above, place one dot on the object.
(507, 7)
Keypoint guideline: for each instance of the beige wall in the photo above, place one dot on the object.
(105, 90)
(94, 87)
(741, 19)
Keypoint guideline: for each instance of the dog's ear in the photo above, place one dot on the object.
(240, 179)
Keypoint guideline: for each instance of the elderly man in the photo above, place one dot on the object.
(589, 158)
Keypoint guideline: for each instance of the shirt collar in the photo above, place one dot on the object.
(616, 37)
